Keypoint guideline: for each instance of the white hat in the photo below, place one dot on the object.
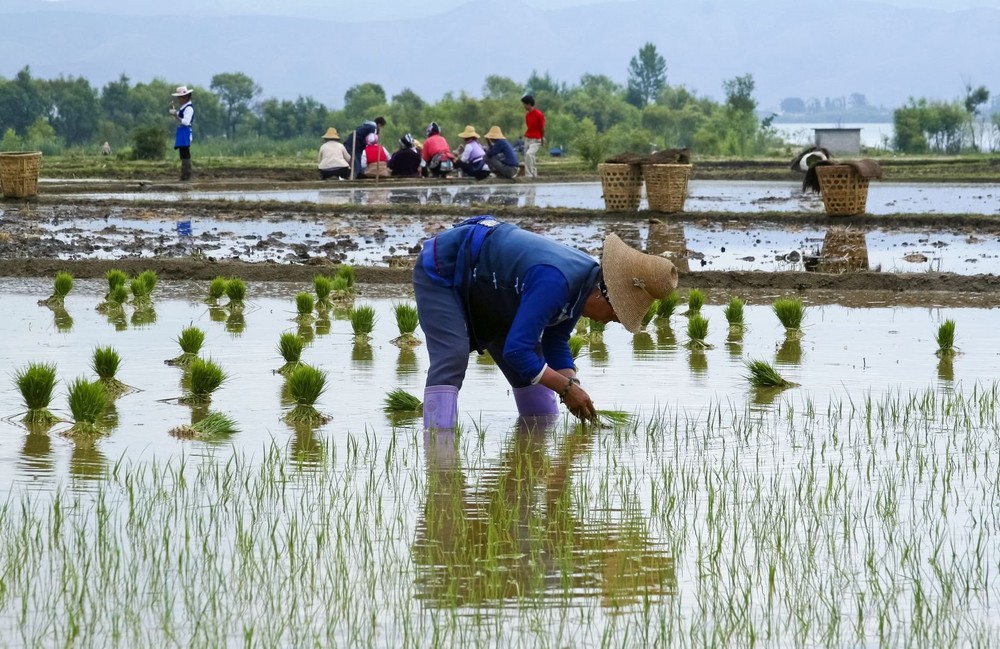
(181, 91)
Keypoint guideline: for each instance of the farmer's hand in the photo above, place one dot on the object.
(578, 402)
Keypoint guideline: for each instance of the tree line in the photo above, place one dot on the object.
(594, 117)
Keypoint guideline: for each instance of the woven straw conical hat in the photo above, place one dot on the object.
(635, 280)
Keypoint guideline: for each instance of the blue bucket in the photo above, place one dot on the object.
(184, 228)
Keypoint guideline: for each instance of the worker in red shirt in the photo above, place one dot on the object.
(534, 134)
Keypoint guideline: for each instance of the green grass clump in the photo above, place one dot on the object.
(612, 418)
(696, 300)
(105, 364)
(576, 344)
(790, 313)
(290, 347)
(140, 291)
(236, 291)
(406, 318)
(697, 331)
(649, 315)
(36, 382)
(61, 287)
(305, 385)
(118, 296)
(341, 286)
(734, 312)
(346, 272)
(115, 277)
(304, 304)
(204, 377)
(214, 427)
(149, 278)
(762, 375)
(216, 289)
(323, 286)
(362, 320)
(945, 338)
(399, 400)
(667, 306)
(190, 340)
(87, 401)
(596, 327)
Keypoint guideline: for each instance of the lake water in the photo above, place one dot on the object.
(875, 136)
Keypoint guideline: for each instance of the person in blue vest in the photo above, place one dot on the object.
(487, 285)
(184, 114)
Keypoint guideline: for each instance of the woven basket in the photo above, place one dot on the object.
(844, 190)
(19, 173)
(622, 185)
(666, 186)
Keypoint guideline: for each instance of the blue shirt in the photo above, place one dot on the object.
(503, 152)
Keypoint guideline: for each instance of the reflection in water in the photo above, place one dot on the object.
(665, 338)
(362, 352)
(765, 396)
(698, 361)
(946, 369)
(198, 412)
(87, 462)
(109, 420)
(667, 239)
(598, 352)
(305, 332)
(734, 341)
(642, 345)
(406, 362)
(62, 319)
(217, 314)
(306, 448)
(236, 323)
(519, 534)
(844, 250)
(485, 359)
(143, 317)
(323, 324)
(790, 352)
(36, 454)
(117, 319)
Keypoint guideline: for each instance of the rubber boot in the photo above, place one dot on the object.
(186, 169)
(440, 407)
(535, 400)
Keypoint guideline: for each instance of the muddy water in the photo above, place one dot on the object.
(845, 352)
(703, 196)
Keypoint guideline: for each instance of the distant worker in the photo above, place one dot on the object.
(106, 148)
(184, 115)
(375, 158)
(334, 160)
(808, 157)
(357, 141)
(436, 153)
(500, 155)
(534, 134)
(472, 161)
(406, 161)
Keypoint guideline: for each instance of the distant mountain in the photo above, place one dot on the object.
(792, 49)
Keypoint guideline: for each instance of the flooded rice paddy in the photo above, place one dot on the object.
(855, 509)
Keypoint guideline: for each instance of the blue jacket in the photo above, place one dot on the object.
(503, 152)
(517, 286)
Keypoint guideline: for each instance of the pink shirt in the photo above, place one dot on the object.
(434, 145)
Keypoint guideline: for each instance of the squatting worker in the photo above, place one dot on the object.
(184, 115)
(490, 285)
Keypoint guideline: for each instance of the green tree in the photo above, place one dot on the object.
(73, 109)
(974, 98)
(502, 88)
(363, 102)
(908, 133)
(647, 76)
(21, 102)
(235, 91)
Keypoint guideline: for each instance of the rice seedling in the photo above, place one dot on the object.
(762, 375)
(105, 364)
(61, 287)
(323, 286)
(216, 289)
(304, 304)
(596, 329)
(696, 300)
(340, 287)
(140, 292)
(36, 382)
(149, 278)
(236, 291)
(115, 277)
(290, 347)
(190, 340)
(204, 377)
(790, 313)
(734, 313)
(612, 418)
(399, 400)
(346, 272)
(213, 427)
(406, 321)
(576, 344)
(118, 296)
(697, 331)
(87, 401)
(650, 314)
(945, 338)
(667, 306)
(305, 385)
(362, 320)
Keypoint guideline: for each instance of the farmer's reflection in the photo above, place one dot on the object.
(518, 532)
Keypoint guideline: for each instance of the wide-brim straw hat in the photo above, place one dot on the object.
(635, 280)
(494, 134)
(470, 131)
(181, 91)
(331, 134)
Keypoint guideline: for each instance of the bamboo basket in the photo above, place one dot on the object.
(844, 190)
(622, 186)
(19, 173)
(666, 186)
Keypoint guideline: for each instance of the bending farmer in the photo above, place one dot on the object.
(490, 285)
